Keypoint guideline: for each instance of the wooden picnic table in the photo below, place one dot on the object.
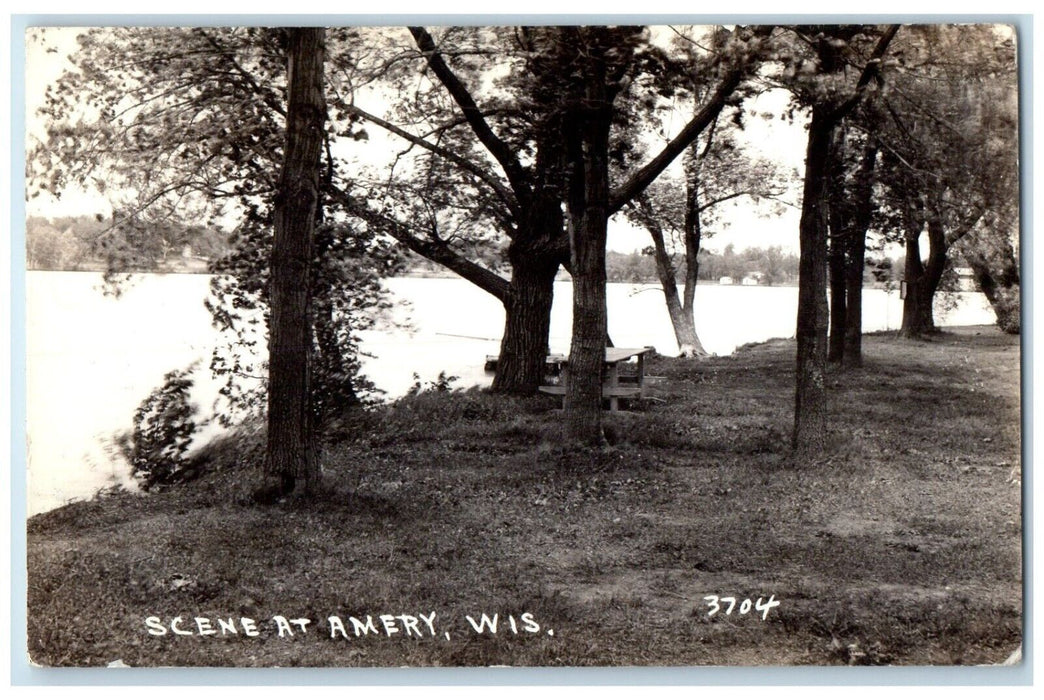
(616, 384)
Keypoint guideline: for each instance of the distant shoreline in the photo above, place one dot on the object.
(200, 267)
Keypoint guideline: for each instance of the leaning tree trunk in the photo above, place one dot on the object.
(681, 313)
(996, 271)
(810, 409)
(291, 456)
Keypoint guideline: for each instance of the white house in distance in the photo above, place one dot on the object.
(752, 279)
(726, 280)
(965, 279)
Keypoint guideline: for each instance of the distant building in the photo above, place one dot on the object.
(752, 279)
(965, 279)
(726, 280)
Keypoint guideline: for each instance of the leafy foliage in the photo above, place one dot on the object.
(183, 127)
(164, 425)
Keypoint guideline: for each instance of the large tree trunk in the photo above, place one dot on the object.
(527, 323)
(588, 224)
(938, 249)
(538, 249)
(291, 456)
(810, 410)
(922, 278)
(915, 320)
(810, 402)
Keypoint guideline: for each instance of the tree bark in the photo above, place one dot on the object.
(537, 250)
(539, 245)
(862, 212)
(810, 401)
(291, 456)
(681, 312)
(922, 278)
(914, 318)
(837, 245)
(588, 223)
(810, 408)
(527, 321)
(689, 344)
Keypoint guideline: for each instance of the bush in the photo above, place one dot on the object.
(163, 428)
(1008, 310)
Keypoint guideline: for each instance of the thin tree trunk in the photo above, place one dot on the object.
(837, 244)
(852, 353)
(291, 456)
(810, 410)
(856, 261)
(838, 293)
(681, 313)
(692, 347)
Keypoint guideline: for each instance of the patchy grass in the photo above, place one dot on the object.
(900, 545)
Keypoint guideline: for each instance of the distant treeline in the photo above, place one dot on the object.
(769, 266)
(94, 242)
(91, 242)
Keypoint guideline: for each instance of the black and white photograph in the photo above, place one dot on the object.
(537, 345)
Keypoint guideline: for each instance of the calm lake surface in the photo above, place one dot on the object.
(92, 358)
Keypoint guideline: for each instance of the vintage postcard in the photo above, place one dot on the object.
(529, 346)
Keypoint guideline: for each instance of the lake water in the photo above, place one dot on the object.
(91, 359)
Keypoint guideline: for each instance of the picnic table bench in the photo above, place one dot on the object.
(553, 363)
(616, 384)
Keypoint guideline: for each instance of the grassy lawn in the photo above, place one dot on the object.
(900, 545)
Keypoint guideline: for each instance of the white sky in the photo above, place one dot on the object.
(43, 67)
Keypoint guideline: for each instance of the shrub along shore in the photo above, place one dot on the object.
(449, 512)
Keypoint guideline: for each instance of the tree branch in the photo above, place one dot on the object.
(436, 251)
(503, 193)
(498, 149)
(870, 70)
(644, 177)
